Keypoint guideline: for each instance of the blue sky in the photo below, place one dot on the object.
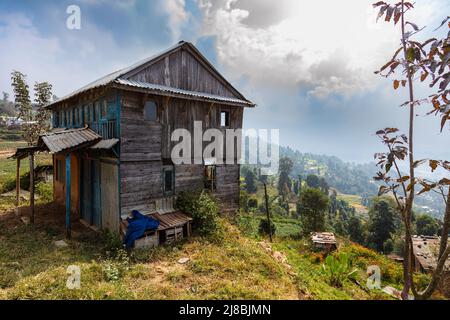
(308, 65)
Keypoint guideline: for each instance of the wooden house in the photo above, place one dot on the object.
(324, 241)
(111, 141)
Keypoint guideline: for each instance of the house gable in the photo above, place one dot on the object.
(184, 68)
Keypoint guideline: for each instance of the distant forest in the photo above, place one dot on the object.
(346, 177)
(351, 178)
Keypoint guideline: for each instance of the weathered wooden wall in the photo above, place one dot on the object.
(59, 187)
(145, 144)
(140, 155)
(182, 70)
(110, 195)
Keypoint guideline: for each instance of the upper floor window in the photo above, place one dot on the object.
(150, 111)
(103, 109)
(210, 177)
(224, 118)
(168, 180)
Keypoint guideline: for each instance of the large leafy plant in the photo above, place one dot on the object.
(338, 268)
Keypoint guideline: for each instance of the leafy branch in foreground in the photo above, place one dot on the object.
(431, 59)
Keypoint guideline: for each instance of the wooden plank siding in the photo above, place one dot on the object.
(144, 145)
(182, 70)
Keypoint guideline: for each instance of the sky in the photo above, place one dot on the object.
(309, 65)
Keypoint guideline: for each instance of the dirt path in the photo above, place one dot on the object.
(6, 153)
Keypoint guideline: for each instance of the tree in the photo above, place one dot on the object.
(284, 182)
(381, 222)
(311, 207)
(296, 187)
(43, 94)
(430, 58)
(355, 230)
(323, 185)
(426, 226)
(35, 124)
(250, 181)
(313, 181)
(5, 97)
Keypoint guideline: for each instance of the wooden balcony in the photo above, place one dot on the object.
(106, 129)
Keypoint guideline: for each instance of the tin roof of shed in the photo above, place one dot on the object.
(426, 250)
(323, 237)
(59, 141)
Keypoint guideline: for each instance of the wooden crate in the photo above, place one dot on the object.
(148, 241)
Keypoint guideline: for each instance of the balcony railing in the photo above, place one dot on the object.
(106, 129)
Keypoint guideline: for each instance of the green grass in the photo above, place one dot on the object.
(33, 268)
(354, 201)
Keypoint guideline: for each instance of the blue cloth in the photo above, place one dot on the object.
(137, 225)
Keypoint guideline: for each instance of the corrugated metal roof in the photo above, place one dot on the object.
(171, 220)
(68, 139)
(105, 144)
(108, 79)
(24, 152)
(180, 92)
(323, 237)
(103, 81)
(426, 250)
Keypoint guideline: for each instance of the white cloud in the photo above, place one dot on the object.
(323, 46)
(178, 16)
(69, 59)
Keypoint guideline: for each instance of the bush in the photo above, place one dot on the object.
(253, 202)
(337, 269)
(115, 267)
(264, 228)
(45, 191)
(204, 211)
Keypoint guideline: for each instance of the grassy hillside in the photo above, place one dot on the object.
(31, 267)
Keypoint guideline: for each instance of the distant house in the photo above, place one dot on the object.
(111, 142)
(426, 250)
(324, 241)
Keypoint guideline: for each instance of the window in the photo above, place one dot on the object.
(168, 180)
(224, 118)
(95, 112)
(59, 170)
(210, 177)
(150, 111)
(104, 109)
(55, 117)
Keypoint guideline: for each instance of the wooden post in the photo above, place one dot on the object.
(32, 187)
(68, 192)
(267, 211)
(18, 184)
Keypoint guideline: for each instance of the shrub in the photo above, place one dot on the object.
(253, 202)
(337, 269)
(115, 267)
(205, 212)
(45, 191)
(264, 228)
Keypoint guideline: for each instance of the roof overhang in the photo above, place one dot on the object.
(68, 140)
(108, 80)
(178, 93)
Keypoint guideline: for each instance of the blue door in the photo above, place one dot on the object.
(96, 194)
(86, 186)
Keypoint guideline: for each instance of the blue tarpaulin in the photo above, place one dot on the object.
(137, 225)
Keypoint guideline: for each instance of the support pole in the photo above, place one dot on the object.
(68, 192)
(32, 187)
(267, 211)
(18, 184)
